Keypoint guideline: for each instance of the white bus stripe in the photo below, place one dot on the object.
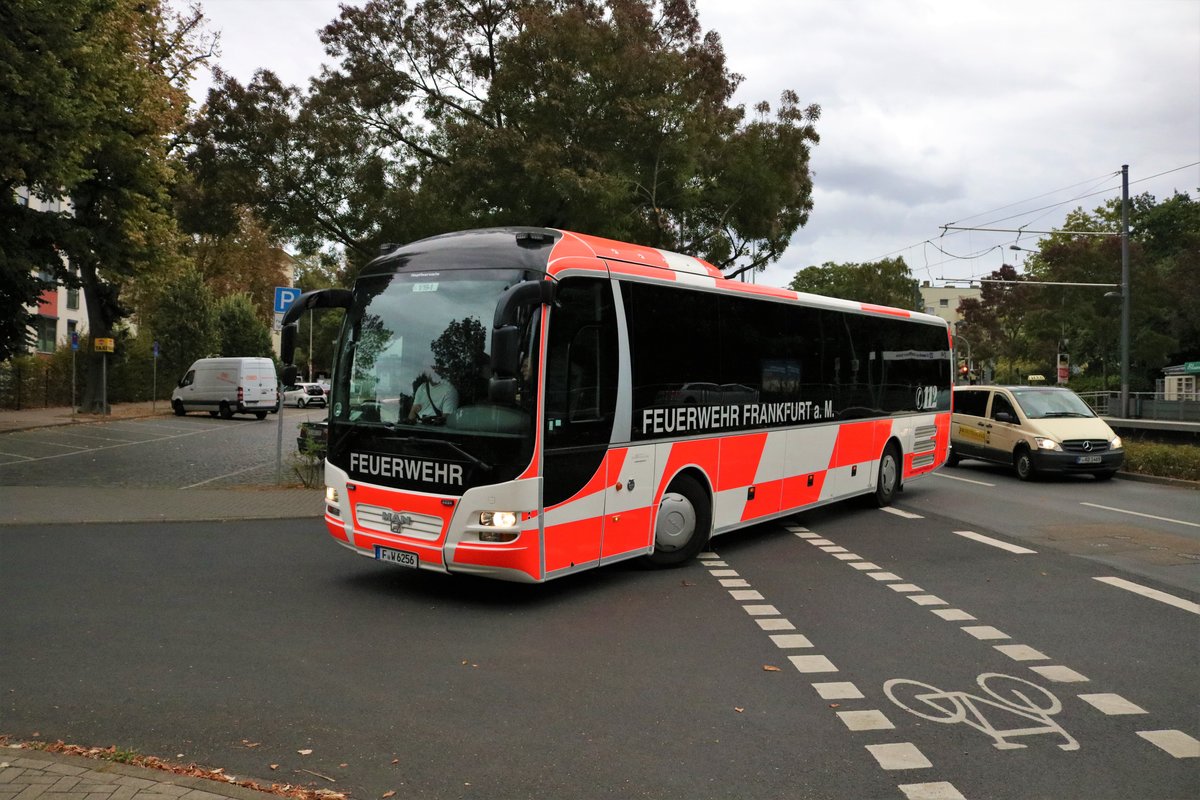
(1153, 594)
(979, 537)
(1140, 514)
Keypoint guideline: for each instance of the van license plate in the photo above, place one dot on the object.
(401, 557)
(1088, 460)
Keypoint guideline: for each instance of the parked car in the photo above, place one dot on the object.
(1035, 429)
(304, 394)
(228, 386)
(313, 438)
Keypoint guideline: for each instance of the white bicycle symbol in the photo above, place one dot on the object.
(1005, 693)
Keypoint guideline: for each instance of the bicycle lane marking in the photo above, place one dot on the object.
(782, 632)
(1176, 743)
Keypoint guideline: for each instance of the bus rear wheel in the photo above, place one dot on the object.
(887, 483)
(682, 525)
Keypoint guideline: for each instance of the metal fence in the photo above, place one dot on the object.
(1144, 405)
(34, 383)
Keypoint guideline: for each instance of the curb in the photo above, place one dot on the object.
(212, 788)
(1178, 483)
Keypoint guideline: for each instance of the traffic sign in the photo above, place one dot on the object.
(103, 345)
(1192, 367)
(74, 340)
(285, 296)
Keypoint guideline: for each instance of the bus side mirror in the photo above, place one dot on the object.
(506, 335)
(506, 350)
(287, 344)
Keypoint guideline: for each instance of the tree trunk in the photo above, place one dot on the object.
(103, 313)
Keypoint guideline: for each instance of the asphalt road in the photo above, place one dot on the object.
(971, 645)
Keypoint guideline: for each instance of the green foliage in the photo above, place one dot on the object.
(1181, 461)
(611, 118)
(886, 283)
(240, 328)
(183, 320)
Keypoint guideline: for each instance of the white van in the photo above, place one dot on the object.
(228, 386)
(1035, 429)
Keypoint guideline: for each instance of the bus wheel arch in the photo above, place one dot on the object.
(683, 520)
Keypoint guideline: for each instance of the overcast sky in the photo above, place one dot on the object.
(934, 112)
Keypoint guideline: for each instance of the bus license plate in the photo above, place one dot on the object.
(1088, 460)
(402, 558)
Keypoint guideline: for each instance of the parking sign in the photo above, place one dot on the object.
(285, 296)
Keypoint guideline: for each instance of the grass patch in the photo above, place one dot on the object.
(1181, 461)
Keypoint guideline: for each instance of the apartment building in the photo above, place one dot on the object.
(60, 311)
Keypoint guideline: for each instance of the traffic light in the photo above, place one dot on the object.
(963, 369)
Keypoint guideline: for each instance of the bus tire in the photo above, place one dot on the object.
(682, 525)
(887, 481)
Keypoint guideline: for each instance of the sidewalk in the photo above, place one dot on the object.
(39, 775)
(26, 505)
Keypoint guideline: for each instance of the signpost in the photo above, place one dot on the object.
(74, 350)
(154, 383)
(105, 346)
(284, 297)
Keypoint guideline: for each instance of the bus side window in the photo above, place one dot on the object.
(583, 380)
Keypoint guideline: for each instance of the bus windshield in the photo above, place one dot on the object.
(413, 367)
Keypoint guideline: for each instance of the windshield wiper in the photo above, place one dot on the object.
(1064, 414)
(395, 427)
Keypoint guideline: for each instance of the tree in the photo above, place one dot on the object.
(886, 283)
(613, 118)
(102, 136)
(240, 328)
(247, 259)
(995, 324)
(183, 320)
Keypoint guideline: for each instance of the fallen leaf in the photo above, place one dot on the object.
(769, 668)
(343, 766)
(738, 709)
(273, 766)
(686, 583)
(304, 752)
(391, 793)
(395, 761)
(835, 705)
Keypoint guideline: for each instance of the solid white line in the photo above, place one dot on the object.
(1153, 594)
(964, 480)
(1139, 514)
(228, 475)
(900, 513)
(979, 537)
(124, 444)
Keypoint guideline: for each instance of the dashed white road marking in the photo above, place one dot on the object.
(788, 640)
(941, 790)
(884, 576)
(866, 720)
(730, 583)
(812, 664)
(1112, 704)
(927, 600)
(964, 480)
(905, 587)
(724, 573)
(952, 614)
(833, 548)
(762, 611)
(847, 556)
(901, 755)
(1140, 514)
(1176, 743)
(901, 513)
(746, 594)
(819, 542)
(1060, 674)
(775, 624)
(979, 537)
(838, 690)
(809, 535)
(985, 632)
(865, 565)
(707, 555)
(1021, 652)
(1153, 594)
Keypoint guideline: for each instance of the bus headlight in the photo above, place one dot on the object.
(1115, 443)
(331, 501)
(1047, 444)
(498, 519)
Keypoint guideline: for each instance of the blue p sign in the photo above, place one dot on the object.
(284, 297)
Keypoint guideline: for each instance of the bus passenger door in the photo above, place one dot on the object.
(629, 501)
(580, 401)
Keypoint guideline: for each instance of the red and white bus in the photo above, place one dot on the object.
(525, 403)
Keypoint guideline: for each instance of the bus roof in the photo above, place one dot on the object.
(554, 252)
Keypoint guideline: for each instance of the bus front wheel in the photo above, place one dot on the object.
(682, 525)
